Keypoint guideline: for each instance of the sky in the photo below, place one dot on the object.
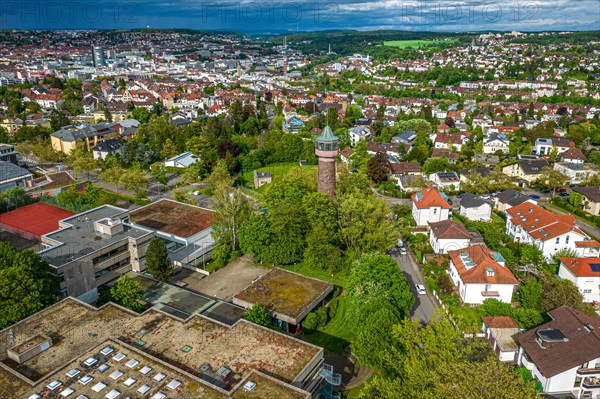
(303, 15)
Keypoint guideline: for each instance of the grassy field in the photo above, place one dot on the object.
(414, 43)
(276, 170)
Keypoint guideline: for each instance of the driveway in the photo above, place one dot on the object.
(424, 304)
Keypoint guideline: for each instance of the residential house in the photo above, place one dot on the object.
(358, 133)
(587, 249)
(481, 274)
(406, 137)
(497, 142)
(292, 124)
(406, 168)
(448, 235)
(106, 148)
(531, 224)
(445, 180)
(563, 354)
(528, 170)
(499, 331)
(183, 160)
(590, 201)
(442, 140)
(585, 274)
(410, 183)
(573, 155)
(428, 205)
(544, 147)
(475, 208)
(452, 157)
(345, 155)
(12, 176)
(577, 172)
(509, 198)
(261, 178)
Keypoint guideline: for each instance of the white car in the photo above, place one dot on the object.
(421, 289)
(402, 251)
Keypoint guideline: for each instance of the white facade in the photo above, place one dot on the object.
(548, 247)
(563, 382)
(495, 144)
(433, 214)
(480, 213)
(358, 133)
(589, 286)
(443, 245)
(472, 293)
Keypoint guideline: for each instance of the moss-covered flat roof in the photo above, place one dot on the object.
(173, 217)
(285, 292)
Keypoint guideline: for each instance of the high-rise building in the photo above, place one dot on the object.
(98, 56)
(327, 150)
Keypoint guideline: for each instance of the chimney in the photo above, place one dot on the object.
(571, 144)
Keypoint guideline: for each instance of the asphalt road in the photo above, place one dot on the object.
(424, 304)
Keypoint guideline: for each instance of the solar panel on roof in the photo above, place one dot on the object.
(595, 267)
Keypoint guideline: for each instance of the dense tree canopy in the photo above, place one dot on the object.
(27, 284)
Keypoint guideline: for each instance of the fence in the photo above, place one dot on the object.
(445, 309)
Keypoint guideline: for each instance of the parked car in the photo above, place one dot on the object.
(402, 251)
(564, 194)
(459, 196)
(485, 196)
(421, 289)
(545, 191)
(561, 190)
(534, 197)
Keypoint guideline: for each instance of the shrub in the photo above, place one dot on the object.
(322, 316)
(333, 307)
(311, 321)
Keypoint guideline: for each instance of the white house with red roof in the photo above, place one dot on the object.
(428, 205)
(481, 274)
(585, 274)
(531, 224)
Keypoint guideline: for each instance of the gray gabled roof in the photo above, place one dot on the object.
(9, 170)
(472, 201)
(511, 197)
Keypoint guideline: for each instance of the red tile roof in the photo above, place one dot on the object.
(483, 259)
(449, 229)
(499, 322)
(581, 267)
(587, 244)
(429, 197)
(541, 223)
(582, 345)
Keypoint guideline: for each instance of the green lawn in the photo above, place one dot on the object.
(276, 170)
(414, 43)
(337, 333)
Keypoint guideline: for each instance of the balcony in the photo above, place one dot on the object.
(588, 371)
(591, 383)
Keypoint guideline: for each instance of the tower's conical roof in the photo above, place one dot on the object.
(327, 136)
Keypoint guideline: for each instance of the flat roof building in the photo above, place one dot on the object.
(33, 221)
(74, 348)
(288, 296)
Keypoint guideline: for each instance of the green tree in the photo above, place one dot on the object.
(258, 314)
(531, 292)
(231, 211)
(27, 284)
(58, 120)
(360, 156)
(157, 260)
(559, 292)
(220, 178)
(159, 173)
(127, 293)
(552, 179)
(169, 150)
(134, 179)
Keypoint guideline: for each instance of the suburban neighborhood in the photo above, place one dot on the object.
(214, 214)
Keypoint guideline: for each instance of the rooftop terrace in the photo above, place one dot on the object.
(173, 217)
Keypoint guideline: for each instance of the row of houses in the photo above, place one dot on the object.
(480, 273)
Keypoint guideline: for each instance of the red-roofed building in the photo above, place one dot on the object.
(429, 206)
(33, 221)
(532, 224)
(481, 274)
(585, 274)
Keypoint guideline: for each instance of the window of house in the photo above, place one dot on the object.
(577, 382)
(558, 240)
(588, 291)
(435, 211)
(567, 240)
(488, 287)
